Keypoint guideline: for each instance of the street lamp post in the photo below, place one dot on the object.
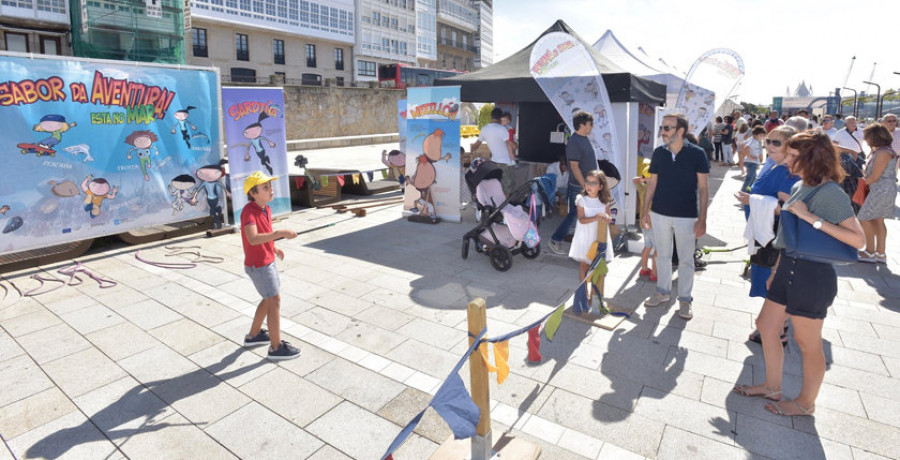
(854, 100)
(877, 98)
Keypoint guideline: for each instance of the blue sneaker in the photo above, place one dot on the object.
(260, 338)
(283, 352)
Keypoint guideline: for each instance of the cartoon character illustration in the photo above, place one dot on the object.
(182, 124)
(213, 184)
(592, 88)
(182, 188)
(53, 124)
(395, 160)
(601, 122)
(13, 224)
(95, 191)
(688, 95)
(253, 133)
(566, 97)
(4, 209)
(426, 175)
(143, 145)
(80, 149)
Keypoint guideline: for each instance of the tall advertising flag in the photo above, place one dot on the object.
(93, 148)
(256, 137)
(710, 82)
(433, 161)
(568, 75)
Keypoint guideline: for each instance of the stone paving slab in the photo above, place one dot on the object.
(155, 364)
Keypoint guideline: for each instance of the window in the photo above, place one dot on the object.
(241, 75)
(338, 59)
(278, 50)
(311, 79)
(310, 55)
(17, 42)
(366, 68)
(198, 37)
(242, 47)
(340, 81)
(49, 45)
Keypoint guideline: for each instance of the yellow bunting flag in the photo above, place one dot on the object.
(553, 321)
(324, 181)
(355, 178)
(501, 358)
(483, 350)
(599, 272)
(384, 173)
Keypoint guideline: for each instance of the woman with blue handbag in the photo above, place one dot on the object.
(817, 229)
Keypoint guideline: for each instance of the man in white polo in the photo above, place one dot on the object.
(496, 136)
(850, 139)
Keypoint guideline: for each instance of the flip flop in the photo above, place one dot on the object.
(742, 390)
(776, 409)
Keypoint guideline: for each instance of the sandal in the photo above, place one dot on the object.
(755, 337)
(742, 390)
(777, 409)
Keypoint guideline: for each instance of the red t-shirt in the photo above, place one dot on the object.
(262, 254)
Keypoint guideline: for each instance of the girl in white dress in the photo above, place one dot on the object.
(593, 206)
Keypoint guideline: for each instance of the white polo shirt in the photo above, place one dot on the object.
(846, 140)
(495, 136)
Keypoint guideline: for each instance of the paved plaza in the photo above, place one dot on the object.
(152, 368)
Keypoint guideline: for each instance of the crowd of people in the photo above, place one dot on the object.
(839, 177)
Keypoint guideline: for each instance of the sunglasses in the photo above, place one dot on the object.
(591, 182)
(774, 142)
(665, 128)
(891, 121)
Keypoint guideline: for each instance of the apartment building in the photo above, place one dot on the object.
(457, 24)
(35, 26)
(386, 35)
(266, 41)
(128, 30)
(484, 37)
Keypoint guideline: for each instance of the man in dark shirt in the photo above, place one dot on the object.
(679, 174)
(581, 160)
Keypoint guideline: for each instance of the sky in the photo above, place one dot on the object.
(781, 43)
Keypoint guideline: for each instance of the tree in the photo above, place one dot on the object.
(484, 115)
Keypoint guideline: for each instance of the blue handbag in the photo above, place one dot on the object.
(804, 242)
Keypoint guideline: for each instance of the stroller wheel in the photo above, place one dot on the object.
(501, 259)
(531, 253)
(465, 248)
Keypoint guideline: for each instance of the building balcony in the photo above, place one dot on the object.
(457, 45)
(457, 21)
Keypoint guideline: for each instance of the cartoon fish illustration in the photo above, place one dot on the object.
(13, 224)
(80, 149)
(64, 189)
(4, 208)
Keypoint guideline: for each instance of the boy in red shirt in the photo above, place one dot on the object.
(259, 263)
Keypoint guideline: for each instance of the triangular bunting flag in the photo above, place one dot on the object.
(384, 173)
(482, 349)
(355, 178)
(324, 181)
(534, 345)
(501, 358)
(340, 180)
(371, 175)
(579, 300)
(453, 403)
(553, 321)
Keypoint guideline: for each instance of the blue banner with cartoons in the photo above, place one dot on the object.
(433, 159)
(94, 148)
(256, 138)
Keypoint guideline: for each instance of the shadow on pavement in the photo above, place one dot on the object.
(140, 402)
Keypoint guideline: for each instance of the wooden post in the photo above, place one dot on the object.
(478, 373)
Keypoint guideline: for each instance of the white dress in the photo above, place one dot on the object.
(585, 234)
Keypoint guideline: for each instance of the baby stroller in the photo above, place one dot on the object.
(502, 225)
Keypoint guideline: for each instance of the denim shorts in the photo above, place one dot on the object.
(804, 287)
(265, 279)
